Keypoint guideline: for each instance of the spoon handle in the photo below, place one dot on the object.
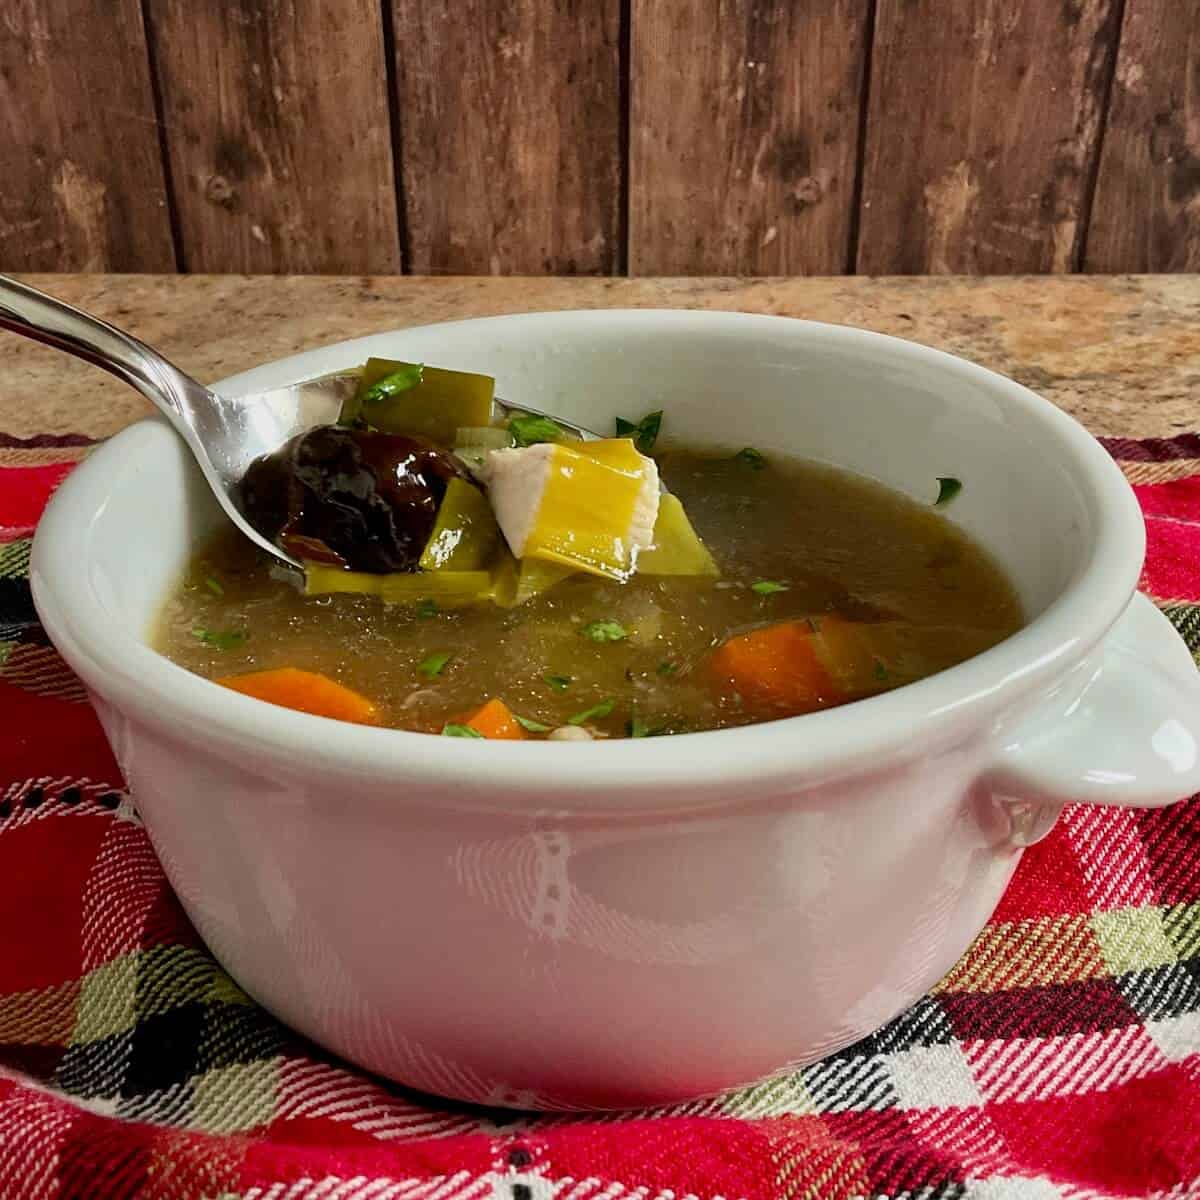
(208, 426)
(35, 315)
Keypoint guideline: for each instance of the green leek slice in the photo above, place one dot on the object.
(677, 550)
(443, 402)
(465, 535)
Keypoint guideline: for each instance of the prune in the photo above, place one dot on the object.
(352, 498)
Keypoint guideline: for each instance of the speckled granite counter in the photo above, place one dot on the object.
(1122, 354)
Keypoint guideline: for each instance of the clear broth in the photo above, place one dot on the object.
(837, 542)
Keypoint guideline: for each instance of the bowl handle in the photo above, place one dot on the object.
(1130, 735)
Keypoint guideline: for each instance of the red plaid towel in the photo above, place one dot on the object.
(1061, 1057)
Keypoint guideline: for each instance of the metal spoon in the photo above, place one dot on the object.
(224, 433)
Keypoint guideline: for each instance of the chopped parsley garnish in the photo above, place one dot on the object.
(604, 631)
(880, 671)
(603, 709)
(530, 724)
(643, 432)
(768, 587)
(392, 385)
(435, 664)
(948, 488)
(751, 457)
(530, 430)
(460, 731)
(667, 668)
(427, 609)
(214, 585)
(221, 639)
(559, 683)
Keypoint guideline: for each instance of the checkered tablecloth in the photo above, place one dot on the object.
(1060, 1057)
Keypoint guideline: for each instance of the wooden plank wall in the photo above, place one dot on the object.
(600, 136)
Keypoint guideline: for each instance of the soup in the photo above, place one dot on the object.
(767, 587)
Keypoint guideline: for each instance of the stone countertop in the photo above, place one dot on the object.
(1121, 354)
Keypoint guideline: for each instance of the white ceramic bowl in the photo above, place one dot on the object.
(646, 921)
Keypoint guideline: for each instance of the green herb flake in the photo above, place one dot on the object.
(559, 683)
(530, 430)
(948, 488)
(221, 639)
(768, 587)
(604, 631)
(395, 383)
(464, 731)
(639, 727)
(433, 666)
(754, 459)
(427, 609)
(881, 672)
(668, 668)
(603, 709)
(644, 432)
(214, 585)
(530, 724)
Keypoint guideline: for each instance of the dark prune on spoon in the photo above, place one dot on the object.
(358, 499)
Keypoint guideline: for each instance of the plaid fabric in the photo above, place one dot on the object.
(1061, 1056)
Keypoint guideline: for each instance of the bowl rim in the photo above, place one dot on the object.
(946, 706)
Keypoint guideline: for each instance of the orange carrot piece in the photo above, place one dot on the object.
(305, 691)
(777, 667)
(845, 649)
(495, 720)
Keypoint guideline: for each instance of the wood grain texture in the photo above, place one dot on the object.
(743, 135)
(510, 125)
(81, 180)
(1146, 216)
(982, 134)
(278, 134)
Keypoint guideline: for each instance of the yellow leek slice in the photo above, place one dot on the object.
(449, 589)
(519, 581)
(589, 507)
(465, 535)
(676, 550)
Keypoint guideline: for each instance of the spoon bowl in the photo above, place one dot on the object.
(224, 433)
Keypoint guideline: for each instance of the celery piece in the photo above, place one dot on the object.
(435, 407)
(465, 535)
(676, 550)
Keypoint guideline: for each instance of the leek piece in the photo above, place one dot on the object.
(448, 589)
(588, 508)
(465, 534)
(676, 550)
(443, 402)
(519, 581)
(482, 437)
(474, 443)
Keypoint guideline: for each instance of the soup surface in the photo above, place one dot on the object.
(814, 563)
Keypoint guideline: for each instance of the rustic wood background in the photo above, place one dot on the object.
(600, 136)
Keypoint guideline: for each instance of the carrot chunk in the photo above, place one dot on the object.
(305, 691)
(495, 720)
(777, 667)
(799, 666)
